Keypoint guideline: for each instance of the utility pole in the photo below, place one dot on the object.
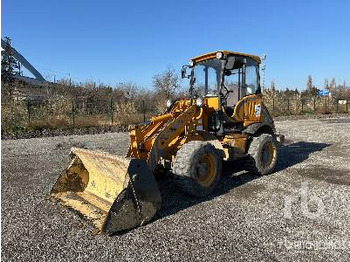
(263, 68)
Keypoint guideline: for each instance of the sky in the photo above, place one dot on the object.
(115, 42)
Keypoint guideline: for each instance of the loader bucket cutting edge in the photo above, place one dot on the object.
(114, 193)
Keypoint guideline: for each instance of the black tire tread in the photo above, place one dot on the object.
(183, 163)
(253, 154)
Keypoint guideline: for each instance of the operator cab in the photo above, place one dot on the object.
(229, 75)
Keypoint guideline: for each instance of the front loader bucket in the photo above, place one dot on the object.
(115, 194)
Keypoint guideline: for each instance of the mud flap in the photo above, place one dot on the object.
(115, 194)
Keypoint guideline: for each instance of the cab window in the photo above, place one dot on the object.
(251, 77)
(207, 77)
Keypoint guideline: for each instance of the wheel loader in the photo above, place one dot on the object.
(222, 119)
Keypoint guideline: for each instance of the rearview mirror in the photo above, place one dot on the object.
(184, 72)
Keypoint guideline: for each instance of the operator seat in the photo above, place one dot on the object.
(231, 101)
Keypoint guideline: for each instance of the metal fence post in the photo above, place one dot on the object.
(337, 105)
(112, 111)
(144, 110)
(314, 105)
(302, 106)
(73, 112)
(328, 105)
(29, 111)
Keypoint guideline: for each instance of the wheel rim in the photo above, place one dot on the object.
(268, 154)
(206, 170)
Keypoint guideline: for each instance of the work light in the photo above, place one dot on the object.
(199, 101)
(219, 55)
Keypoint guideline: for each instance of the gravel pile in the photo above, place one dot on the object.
(247, 219)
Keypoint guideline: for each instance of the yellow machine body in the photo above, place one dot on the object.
(163, 136)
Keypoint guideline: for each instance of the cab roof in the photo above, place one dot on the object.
(212, 55)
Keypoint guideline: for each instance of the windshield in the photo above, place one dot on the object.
(241, 78)
(207, 77)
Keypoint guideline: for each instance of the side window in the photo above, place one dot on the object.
(251, 78)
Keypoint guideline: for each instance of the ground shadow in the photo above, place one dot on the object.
(294, 153)
(233, 175)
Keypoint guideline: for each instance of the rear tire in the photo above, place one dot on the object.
(262, 154)
(197, 168)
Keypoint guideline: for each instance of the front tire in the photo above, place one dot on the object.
(197, 168)
(262, 154)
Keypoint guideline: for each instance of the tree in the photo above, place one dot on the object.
(166, 83)
(333, 83)
(326, 83)
(309, 84)
(130, 90)
(8, 62)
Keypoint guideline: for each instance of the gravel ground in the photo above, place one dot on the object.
(300, 212)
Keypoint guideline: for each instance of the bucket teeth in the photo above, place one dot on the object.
(115, 194)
